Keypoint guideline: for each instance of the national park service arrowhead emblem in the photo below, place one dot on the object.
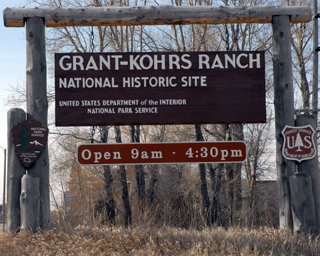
(298, 143)
(29, 140)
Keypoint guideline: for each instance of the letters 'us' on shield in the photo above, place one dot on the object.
(298, 143)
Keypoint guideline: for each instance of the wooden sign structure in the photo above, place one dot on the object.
(159, 88)
(154, 15)
(280, 17)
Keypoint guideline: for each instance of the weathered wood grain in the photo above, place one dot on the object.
(284, 110)
(302, 203)
(311, 166)
(15, 172)
(153, 15)
(37, 107)
(30, 203)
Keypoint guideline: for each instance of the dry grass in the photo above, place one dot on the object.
(161, 241)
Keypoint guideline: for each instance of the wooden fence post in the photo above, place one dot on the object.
(15, 172)
(284, 110)
(37, 107)
(311, 166)
(302, 203)
(30, 203)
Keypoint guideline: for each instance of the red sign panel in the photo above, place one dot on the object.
(298, 143)
(29, 140)
(159, 88)
(161, 153)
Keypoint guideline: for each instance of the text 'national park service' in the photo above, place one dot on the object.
(167, 88)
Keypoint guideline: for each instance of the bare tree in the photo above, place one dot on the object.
(256, 165)
(123, 179)
(108, 180)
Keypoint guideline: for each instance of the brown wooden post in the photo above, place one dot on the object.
(284, 110)
(311, 166)
(302, 203)
(37, 107)
(15, 172)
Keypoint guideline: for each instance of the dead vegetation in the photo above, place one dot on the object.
(159, 241)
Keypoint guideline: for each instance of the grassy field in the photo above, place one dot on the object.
(160, 241)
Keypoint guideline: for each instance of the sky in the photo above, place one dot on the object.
(12, 72)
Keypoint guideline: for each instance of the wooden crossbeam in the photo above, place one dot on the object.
(154, 15)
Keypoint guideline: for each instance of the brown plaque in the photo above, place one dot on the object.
(29, 140)
(162, 153)
(159, 88)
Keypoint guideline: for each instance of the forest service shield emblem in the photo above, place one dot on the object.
(298, 143)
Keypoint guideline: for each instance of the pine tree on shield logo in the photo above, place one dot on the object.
(298, 143)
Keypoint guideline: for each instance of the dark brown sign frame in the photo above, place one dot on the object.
(159, 88)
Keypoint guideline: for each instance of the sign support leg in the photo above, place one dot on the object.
(37, 107)
(302, 204)
(284, 110)
(15, 172)
(311, 167)
(30, 203)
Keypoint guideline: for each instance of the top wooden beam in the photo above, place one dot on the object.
(153, 15)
